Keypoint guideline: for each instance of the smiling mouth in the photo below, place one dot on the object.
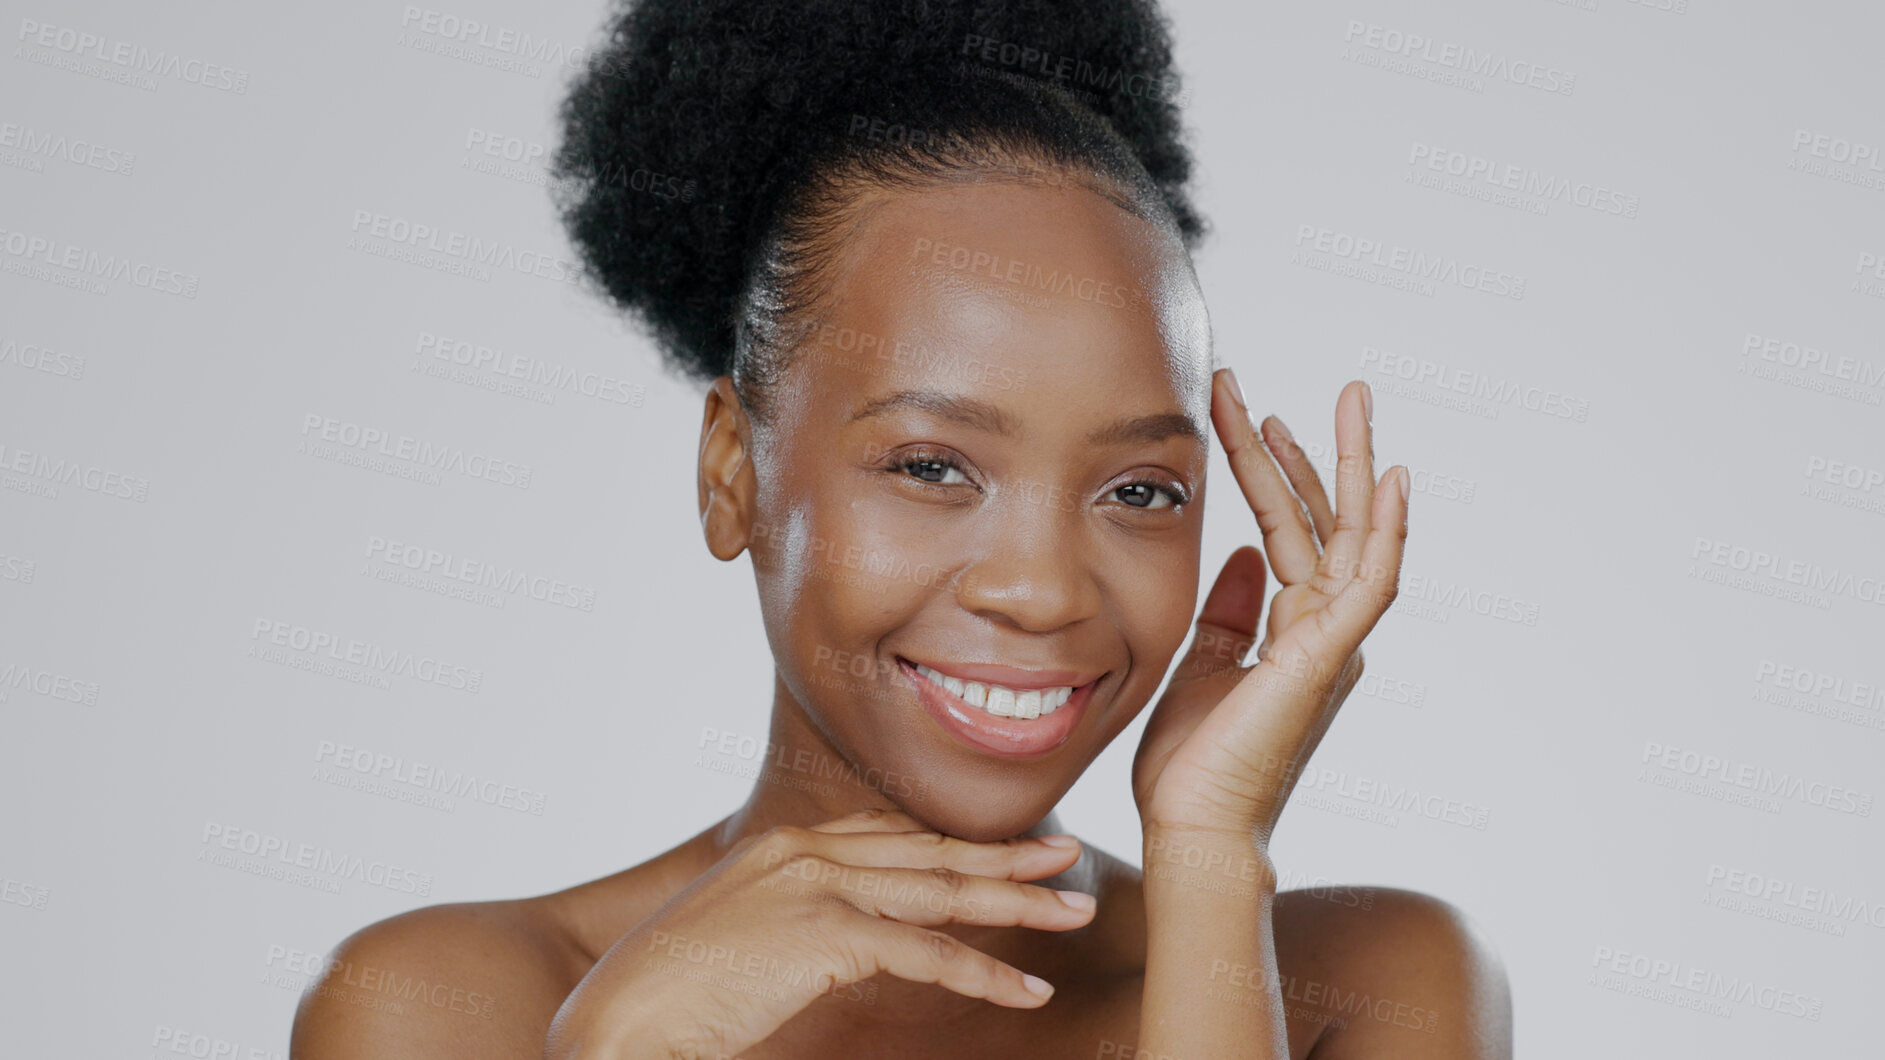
(1001, 700)
(1023, 719)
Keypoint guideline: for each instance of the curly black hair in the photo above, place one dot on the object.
(712, 148)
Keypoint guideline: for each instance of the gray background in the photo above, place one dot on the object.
(147, 713)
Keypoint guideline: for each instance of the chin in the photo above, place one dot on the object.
(981, 809)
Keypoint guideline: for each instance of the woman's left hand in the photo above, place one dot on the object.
(1226, 742)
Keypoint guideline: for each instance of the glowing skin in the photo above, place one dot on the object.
(1044, 547)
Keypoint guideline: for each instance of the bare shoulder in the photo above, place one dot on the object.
(1389, 972)
(475, 979)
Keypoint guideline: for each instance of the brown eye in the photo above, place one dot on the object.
(936, 472)
(1147, 495)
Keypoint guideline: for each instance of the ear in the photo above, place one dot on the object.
(727, 485)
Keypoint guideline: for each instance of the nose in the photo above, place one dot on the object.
(1032, 575)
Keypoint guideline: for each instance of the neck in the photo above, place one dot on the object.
(803, 780)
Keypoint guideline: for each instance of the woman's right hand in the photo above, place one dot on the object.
(798, 912)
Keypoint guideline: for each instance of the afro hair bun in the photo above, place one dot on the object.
(687, 129)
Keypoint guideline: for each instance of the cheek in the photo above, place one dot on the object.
(1162, 601)
(852, 573)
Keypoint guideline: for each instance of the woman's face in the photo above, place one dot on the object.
(989, 460)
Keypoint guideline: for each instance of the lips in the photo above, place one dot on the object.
(1006, 737)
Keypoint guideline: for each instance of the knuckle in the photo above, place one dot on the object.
(940, 948)
(781, 840)
(850, 959)
(801, 865)
(819, 911)
(946, 879)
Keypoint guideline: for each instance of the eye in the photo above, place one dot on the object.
(1148, 495)
(934, 471)
(927, 466)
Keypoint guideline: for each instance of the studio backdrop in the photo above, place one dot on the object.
(293, 354)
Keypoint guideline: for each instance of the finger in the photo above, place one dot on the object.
(1354, 480)
(1301, 472)
(1354, 611)
(1020, 858)
(1228, 624)
(924, 955)
(929, 897)
(1288, 535)
(873, 820)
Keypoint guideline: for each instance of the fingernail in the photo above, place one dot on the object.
(1080, 900)
(1401, 480)
(1367, 402)
(1236, 389)
(1062, 841)
(1283, 429)
(1037, 986)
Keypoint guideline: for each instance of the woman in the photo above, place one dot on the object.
(933, 263)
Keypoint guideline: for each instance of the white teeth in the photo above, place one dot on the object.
(999, 701)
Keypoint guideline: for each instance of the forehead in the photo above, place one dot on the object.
(1011, 286)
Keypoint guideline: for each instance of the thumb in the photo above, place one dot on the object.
(1227, 626)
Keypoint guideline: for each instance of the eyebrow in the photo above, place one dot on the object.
(982, 416)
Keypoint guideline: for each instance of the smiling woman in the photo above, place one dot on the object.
(959, 400)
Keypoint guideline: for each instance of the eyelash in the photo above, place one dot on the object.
(897, 464)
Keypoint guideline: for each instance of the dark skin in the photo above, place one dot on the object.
(923, 531)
